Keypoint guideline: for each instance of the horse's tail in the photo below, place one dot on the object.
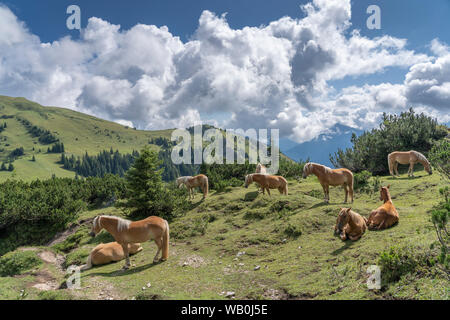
(390, 163)
(206, 187)
(88, 264)
(165, 244)
(285, 186)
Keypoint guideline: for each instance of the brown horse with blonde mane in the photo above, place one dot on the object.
(192, 182)
(109, 252)
(350, 224)
(267, 182)
(330, 177)
(126, 232)
(384, 216)
(408, 157)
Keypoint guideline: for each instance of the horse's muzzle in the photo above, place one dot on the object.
(92, 234)
(246, 187)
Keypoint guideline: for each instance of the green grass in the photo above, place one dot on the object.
(216, 246)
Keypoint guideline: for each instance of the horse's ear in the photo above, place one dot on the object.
(348, 210)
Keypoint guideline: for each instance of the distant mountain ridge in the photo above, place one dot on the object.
(319, 149)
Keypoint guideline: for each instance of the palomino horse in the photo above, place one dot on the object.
(411, 157)
(350, 224)
(386, 215)
(330, 177)
(126, 232)
(267, 182)
(260, 169)
(109, 252)
(192, 182)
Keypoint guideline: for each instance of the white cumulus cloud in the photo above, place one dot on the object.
(273, 76)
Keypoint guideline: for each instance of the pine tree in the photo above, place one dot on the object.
(144, 184)
(33, 159)
(11, 167)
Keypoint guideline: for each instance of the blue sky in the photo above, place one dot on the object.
(303, 75)
(415, 20)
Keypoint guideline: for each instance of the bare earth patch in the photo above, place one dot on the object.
(193, 260)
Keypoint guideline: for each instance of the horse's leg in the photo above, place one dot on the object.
(327, 193)
(127, 255)
(159, 244)
(268, 191)
(346, 193)
(411, 168)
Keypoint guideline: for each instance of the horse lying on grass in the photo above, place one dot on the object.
(330, 177)
(386, 215)
(109, 252)
(411, 157)
(192, 182)
(267, 182)
(350, 224)
(126, 232)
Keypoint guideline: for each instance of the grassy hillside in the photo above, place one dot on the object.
(278, 247)
(79, 132)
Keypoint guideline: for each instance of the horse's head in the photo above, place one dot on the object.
(428, 169)
(248, 180)
(384, 193)
(179, 182)
(307, 170)
(96, 227)
(342, 219)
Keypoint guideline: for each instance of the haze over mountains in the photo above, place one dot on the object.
(319, 149)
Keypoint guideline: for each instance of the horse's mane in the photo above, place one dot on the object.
(318, 164)
(122, 224)
(421, 157)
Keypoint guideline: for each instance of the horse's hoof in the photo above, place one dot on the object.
(125, 268)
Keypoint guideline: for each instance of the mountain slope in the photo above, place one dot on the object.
(79, 132)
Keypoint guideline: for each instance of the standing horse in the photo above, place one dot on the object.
(126, 232)
(267, 182)
(109, 252)
(350, 224)
(384, 216)
(411, 157)
(192, 182)
(330, 177)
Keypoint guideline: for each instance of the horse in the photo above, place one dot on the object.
(260, 169)
(126, 232)
(192, 182)
(411, 157)
(267, 182)
(384, 216)
(350, 224)
(330, 177)
(109, 252)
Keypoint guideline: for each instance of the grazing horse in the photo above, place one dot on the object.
(109, 252)
(192, 182)
(350, 224)
(386, 215)
(126, 232)
(411, 157)
(267, 182)
(260, 169)
(330, 177)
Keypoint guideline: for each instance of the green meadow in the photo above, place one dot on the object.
(240, 244)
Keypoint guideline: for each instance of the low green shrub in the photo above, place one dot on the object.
(18, 262)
